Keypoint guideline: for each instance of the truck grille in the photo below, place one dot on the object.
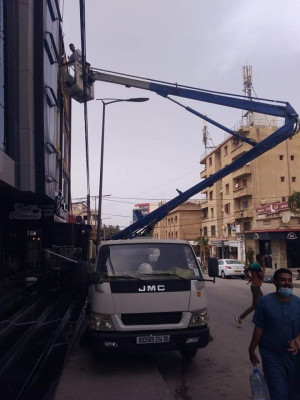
(152, 318)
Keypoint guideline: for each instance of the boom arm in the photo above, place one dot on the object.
(264, 106)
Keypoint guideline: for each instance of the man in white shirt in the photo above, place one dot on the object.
(76, 54)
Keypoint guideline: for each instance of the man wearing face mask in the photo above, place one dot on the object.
(276, 332)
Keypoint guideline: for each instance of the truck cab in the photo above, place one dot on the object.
(148, 295)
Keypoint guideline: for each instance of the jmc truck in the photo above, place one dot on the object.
(148, 295)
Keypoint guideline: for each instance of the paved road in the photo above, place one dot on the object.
(220, 371)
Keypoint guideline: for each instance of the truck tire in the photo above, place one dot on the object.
(189, 353)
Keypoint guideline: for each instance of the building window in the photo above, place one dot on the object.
(54, 10)
(211, 212)
(292, 158)
(225, 151)
(50, 48)
(176, 235)
(176, 219)
(205, 231)
(247, 226)
(244, 182)
(227, 188)
(245, 204)
(210, 161)
(211, 195)
(282, 179)
(293, 179)
(281, 157)
(51, 97)
(227, 208)
(213, 230)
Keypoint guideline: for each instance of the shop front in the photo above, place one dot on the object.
(280, 247)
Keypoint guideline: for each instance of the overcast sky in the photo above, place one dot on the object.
(153, 148)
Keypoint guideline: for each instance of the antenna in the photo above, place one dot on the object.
(207, 140)
(247, 80)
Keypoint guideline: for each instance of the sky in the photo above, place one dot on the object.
(153, 148)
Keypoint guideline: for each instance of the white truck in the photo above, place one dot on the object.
(148, 295)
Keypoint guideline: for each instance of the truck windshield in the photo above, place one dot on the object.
(143, 259)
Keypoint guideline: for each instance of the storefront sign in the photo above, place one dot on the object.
(291, 235)
(272, 208)
(216, 243)
(232, 243)
(25, 212)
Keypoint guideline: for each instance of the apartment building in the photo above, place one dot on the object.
(181, 223)
(35, 133)
(248, 209)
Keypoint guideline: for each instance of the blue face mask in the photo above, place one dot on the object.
(285, 292)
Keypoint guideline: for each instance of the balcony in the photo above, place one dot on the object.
(240, 150)
(243, 192)
(203, 174)
(246, 213)
(243, 171)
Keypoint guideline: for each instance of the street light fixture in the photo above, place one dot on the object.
(106, 102)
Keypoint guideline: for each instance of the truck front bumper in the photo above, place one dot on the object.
(185, 339)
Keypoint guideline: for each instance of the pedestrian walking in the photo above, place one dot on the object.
(277, 333)
(255, 275)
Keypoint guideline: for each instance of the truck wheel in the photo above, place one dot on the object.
(223, 274)
(189, 353)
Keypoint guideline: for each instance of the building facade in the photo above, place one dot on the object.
(35, 132)
(248, 210)
(182, 223)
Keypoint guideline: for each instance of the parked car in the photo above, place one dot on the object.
(230, 267)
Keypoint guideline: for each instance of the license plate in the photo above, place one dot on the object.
(237, 271)
(152, 339)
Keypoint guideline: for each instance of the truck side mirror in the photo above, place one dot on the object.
(213, 267)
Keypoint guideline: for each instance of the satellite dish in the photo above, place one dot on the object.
(286, 218)
(236, 185)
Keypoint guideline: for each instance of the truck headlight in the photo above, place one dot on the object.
(101, 322)
(199, 318)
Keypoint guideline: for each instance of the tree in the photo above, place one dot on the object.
(203, 241)
(294, 202)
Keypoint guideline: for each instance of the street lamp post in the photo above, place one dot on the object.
(106, 103)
